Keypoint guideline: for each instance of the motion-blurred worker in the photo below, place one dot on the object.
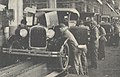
(76, 59)
(109, 29)
(116, 35)
(81, 34)
(93, 43)
(84, 35)
(102, 42)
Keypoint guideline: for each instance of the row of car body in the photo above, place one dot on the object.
(45, 39)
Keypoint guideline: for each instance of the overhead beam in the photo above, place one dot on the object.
(100, 2)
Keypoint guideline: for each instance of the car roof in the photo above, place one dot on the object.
(106, 16)
(87, 14)
(60, 9)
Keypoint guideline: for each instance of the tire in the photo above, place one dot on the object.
(15, 58)
(75, 61)
(16, 44)
(9, 58)
(60, 63)
(64, 61)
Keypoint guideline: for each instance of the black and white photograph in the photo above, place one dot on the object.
(59, 38)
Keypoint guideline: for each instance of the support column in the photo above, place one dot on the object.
(52, 4)
(93, 9)
(20, 11)
(85, 7)
(17, 6)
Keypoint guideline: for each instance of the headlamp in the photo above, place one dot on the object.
(50, 33)
(23, 32)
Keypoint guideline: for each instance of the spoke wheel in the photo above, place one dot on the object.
(64, 61)
(16, 45)
(15, 58)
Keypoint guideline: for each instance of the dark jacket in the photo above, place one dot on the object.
(94, 36)
(102, 34)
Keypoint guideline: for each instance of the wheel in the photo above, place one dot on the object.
(16, 44)
(61, 63)
(64, 61)
(75, 60)
(15, 58)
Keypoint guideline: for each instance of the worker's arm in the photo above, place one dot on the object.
(69, 35)
(83, 47)
(94, 36)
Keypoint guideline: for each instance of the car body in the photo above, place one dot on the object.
(47, 23)
(43, 38)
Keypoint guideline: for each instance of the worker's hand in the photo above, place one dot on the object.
(83, 48)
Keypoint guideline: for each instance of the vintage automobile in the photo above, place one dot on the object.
(43, 38)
